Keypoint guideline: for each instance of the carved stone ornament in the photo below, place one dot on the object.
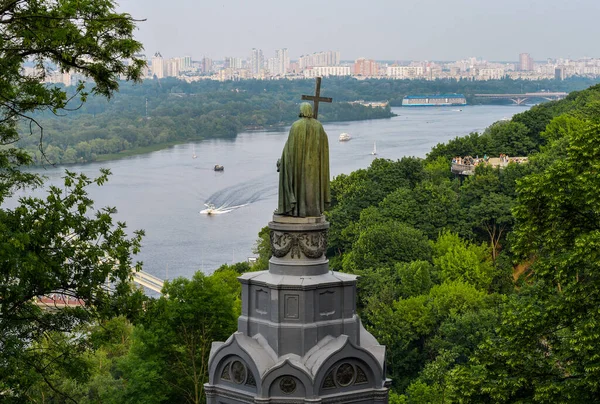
(312, 245)
(225, 373)
(238, 372)
(361, 377)
(287, 385)
(344, 375)
(329, 383)
(251, 381)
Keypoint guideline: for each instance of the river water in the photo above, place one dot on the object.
(164, 192)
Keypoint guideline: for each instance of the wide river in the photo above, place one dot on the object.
(164, 192)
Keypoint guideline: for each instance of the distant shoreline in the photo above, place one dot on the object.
(162, 146)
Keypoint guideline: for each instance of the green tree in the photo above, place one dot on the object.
(546, 348)
(457, 259)
(78, 36)
(384, 244)
(169, 355)
(59, 247)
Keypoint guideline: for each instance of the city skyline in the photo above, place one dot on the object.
(387, 30)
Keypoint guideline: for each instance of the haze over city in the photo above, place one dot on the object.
(381, 30)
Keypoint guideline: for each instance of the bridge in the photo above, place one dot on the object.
(57, 301)
(149, 281)
(519, 99)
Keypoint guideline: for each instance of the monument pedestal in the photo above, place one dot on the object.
(299, 339)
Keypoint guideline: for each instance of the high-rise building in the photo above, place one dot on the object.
(206, 65)
(172, 67)
(257, 63)
(233, 63)
(185, 63)
(329, 58)
(273, 66)
(559, 73)
(366, 67)
(158, 66)
(525, 62)
(283, 61)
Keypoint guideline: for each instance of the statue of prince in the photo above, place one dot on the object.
(304, 168)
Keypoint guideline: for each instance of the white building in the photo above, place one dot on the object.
(171, 67)
(233, 63)
(257, 61)
(319, 59)
(158, 66)
(325, 71)
(490, 74)
(283, 61)
(185, 63)
(405, 72)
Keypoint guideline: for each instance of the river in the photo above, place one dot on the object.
(163, 192)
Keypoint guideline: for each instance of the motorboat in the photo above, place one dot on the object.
(219, 167)
(344, 137)
(210, 209)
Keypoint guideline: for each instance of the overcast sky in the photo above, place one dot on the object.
(495, 30)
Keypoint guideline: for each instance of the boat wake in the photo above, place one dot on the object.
(212, 210)
(238, 196)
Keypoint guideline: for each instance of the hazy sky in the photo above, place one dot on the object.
(375, 29)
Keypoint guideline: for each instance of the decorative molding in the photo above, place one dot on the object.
(262, 301)
(251, 381)
(329, 383)
(238, 372)
(225, 374)
(361, 377)
(287, 385)
(345, 375)
(292, 306)
(311, 245)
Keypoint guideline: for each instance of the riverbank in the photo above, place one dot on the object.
(70, 156)
(140, 150)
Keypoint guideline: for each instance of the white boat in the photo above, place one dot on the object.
(374, 152)
(194, 152)
(344, 137)
(210, 209)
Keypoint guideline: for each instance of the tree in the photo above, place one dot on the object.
(384, 244)
(78, 36)
(57, 246)
(546, 347)
(493, 214)
(169, 356)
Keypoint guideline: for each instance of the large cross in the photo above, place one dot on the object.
(317, 98)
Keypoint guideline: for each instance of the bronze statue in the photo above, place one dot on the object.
(304, 168)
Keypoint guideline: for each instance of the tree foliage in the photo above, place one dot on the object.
(80, 36)
(59, 248)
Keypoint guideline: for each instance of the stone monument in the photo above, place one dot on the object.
(299, 339)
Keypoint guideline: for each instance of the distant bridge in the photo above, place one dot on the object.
(149, 281)
(519, 99)
(56, 301)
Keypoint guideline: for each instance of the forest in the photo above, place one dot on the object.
(159, 113)
(482, 289)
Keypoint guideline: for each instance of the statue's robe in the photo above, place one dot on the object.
(304, 170)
